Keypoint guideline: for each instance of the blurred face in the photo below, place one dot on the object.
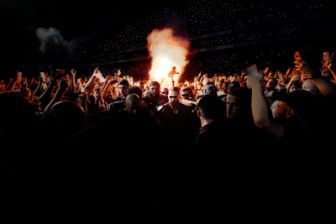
(2, 86)
(297, 56)
(185, 95)
(232, 106)
(123, 90)
(19, 76)
(109, 94)
(164, 91)
(67, 79)
(173, 97)
(155, 90)
(326, 56)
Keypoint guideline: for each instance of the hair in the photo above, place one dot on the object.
(154, 83)
(307, 68)
(132, 102)
(210, 88)
(65, 118)
(211, 107)
(176, 89)
(123, 82)
(244, 96)
(232, 86)
(136, 90)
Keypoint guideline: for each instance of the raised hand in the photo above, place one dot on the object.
(253, 78)
(73, 72)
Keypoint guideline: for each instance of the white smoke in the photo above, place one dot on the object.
(52, 42)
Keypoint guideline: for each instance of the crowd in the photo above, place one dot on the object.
(167, 135)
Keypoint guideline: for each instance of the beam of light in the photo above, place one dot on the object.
(166, 51)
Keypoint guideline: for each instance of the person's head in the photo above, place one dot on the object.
(133, 103)
(221, 85)
(210, 89)
(136, 90)
(238, 103)
(123, 87)
(155, 88)
(326, 56)
(109, 95)
(232, 85)
(187, 93)
(173, 96)
(306, 72)
(210, 107)
(142, 85)
(302, 102)
(19, 76)
(65, 118)
(297, 56)
(164, 91)
(309, 85)
(281, 111)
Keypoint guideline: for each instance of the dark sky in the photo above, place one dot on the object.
(20, 19)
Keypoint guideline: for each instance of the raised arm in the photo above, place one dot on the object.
(260, 110)
(58, 95)
(90, 84)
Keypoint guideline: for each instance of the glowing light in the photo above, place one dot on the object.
(166, 51)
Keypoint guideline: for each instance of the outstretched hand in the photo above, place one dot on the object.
(253, 82)
(73, 72)
(253, 78)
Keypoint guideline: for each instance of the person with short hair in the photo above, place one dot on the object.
(155, 96)
(176, 119)
(123, 86)
(211, 112)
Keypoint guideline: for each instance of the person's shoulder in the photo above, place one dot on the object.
(184, 107)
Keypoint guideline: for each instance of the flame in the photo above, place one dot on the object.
(166, 51)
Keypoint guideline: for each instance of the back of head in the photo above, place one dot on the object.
(244, 96)
(306, 68)
(232, 86)
(325, 87)
(123, 82)
(135, 90)
(132, 103)
(65, 118)
(210, 89)
(16, 115)
(310, 86)
(211, 107)
(154, 83)
(302, 102)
